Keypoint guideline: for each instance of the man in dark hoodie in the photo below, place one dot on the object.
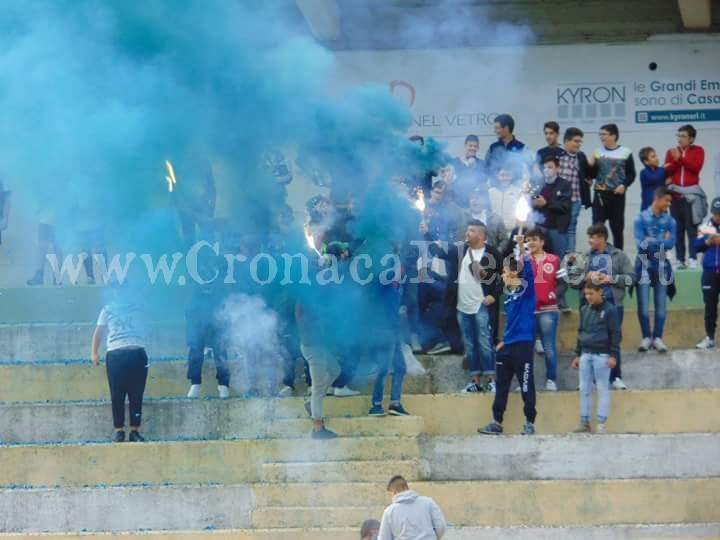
(598, 346)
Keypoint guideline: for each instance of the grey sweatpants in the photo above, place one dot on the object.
(324, 369)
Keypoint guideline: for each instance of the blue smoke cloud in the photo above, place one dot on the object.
(97, 95)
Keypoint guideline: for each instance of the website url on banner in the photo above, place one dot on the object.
(654, 117)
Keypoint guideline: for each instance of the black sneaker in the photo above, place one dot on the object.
(136, 437)
(528, 429)
(377, 410)
(493, 428)
(118, 436)
(397, 409)
(324, 433)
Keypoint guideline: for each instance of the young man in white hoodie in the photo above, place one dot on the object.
(410, 516)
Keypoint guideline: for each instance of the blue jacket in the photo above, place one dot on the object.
(654, 235)
(711, 259)
(520, 309)
(650, 180)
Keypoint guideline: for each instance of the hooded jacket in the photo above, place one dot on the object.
(412, 517)
(622, 272)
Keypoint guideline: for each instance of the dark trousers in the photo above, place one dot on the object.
(610, 207)
(711, 295)
(681, 211)
(200, 335)
(616, 372)
(516, 360)
(127, 371)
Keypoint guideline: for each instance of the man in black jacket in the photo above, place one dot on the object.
(474, 290)
(575, 169)
(552, 200)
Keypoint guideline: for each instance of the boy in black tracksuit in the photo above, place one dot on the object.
(515, 352)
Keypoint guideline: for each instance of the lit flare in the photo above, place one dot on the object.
(170, 178)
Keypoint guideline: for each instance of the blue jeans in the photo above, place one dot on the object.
(547, 325)
(477, 335)
(387, 355)
(575, 208)
(558, 241)
(594, 367)
(650, 279)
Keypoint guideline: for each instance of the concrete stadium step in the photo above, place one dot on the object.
(78, 381)
(188, 462)
(51, 341)
(572, 457)
(632, 411)
(689, 368)
(186, 419)
(465, 504)
(551, 457)
(538, 503)
(70, 341)
(351, 471)
(614, 532)
(81, 381)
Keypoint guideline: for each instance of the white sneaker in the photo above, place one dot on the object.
(692, 264)
(645, 344)
(550, 386)
(223, 391)
(618, 384)
(286, 391)
(539, 347)
(194, 391)
(345, 391)
(659, 345)
(706, 344)
(600, 428)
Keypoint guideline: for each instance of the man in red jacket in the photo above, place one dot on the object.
(683, 165)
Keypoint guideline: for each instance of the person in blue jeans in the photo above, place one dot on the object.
(598, 345)
(389, 354)
(475, 289)
(385, 348)
(655, 233)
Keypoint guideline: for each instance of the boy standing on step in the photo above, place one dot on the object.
(121, 322)
(515, 351)
(598, 345)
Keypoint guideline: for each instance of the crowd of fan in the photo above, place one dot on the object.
(482, 258)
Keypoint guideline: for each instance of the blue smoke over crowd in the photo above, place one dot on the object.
(96, 96)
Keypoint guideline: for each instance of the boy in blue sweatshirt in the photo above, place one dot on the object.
(651, 177)
(515, 351)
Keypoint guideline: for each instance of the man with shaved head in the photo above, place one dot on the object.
(410, 516)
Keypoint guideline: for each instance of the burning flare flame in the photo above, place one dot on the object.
(420, 202)
(522, 210)
(311, 242)
(170, 178)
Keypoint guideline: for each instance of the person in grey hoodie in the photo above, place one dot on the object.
(410, 516)
(609, 267)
